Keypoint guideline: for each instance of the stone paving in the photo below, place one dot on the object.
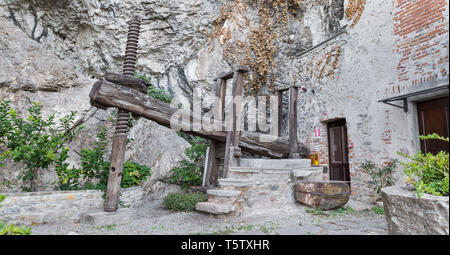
(153, 220)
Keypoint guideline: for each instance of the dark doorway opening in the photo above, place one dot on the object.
(433, 118)
(338, 150)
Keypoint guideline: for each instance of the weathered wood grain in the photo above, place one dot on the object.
(127, 81)
(293, 142)
(109, 94)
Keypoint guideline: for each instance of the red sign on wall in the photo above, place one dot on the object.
(317, 132)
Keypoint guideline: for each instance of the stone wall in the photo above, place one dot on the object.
(59, 206)
(389, 48)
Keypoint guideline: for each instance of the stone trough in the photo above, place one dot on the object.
(326, 195)
(408, 215)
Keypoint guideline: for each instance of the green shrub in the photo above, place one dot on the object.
(184, 201)
(190, 172)
(39, 143)
(154, 92)
(94, 169)
(159, 94)
(92, 165)
(428, 173)
(11, 229)
(381, 177)
(378, 210)
(134, 174)
(36, 142)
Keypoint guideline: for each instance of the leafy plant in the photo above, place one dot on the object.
(189, 173)
(11, 229)
(134, 174)
(159, 94)
(95, 170)
(36, 142)
(39, 143)
(343, 211)
(92, 160)
(378, 210)
(184, 201)
(381, 177)
(92, 164)
(143, 78)
(428, 173)
(316, 211)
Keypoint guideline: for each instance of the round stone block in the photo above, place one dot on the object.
(325, 195)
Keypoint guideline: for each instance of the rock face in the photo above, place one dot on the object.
(408, 215)
(325, 195)
(31, 73)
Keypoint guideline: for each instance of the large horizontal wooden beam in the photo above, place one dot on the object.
(107, 94)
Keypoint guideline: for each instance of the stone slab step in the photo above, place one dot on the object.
(240, 169)
(275, 163)
(235, 182)
(121, 216)
(223, 193)
(308, 175)
(313, 168)
(214, 208)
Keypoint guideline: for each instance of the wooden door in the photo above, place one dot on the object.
(338, 151)
(433, 118)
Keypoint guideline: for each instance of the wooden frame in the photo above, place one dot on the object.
(292, 118)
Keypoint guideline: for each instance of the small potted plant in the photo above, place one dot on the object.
(422, 208)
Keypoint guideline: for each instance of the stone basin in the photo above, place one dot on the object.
(326, 195)
(408, 215)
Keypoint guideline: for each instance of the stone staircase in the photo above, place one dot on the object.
(259, 185)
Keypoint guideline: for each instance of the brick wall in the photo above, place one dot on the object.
(421, 31)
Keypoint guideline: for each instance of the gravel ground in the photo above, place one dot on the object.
(153, 220)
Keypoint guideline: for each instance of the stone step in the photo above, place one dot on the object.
(235, 182)
(121, 216)
(214, 208)
(223, 200)
(313, 168)
(307, 175)
(243, 173)
(223, 193)
(244, 169)
(275, 163)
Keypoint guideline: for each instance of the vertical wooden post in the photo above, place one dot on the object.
(232, 150)
(279, 120)
(293, 142)
(221, 89)
(238, 80)
(212, 176)
(212, 168)
(117, 161)
(120, 137)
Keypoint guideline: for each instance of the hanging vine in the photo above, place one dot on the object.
(354, 10)
(259, 49)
